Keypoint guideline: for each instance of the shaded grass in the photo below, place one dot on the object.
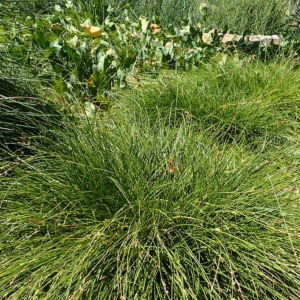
(26, 107)
(129, 206)
(24, 117)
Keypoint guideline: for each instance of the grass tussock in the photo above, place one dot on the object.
(238, 100)
(187, 187)
(128, 206)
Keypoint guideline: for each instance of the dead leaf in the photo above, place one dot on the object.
(154, 28)
(92, 31)
(53, 26)
(171, 168)
(90, 81)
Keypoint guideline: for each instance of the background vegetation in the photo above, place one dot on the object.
(143, 163)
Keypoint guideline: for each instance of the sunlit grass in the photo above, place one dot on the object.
(186, 188)
(248, 16)
(238, 16)
(236, 99)
(128, 205)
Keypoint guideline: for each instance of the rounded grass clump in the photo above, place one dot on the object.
(123, 207)
(236, 99)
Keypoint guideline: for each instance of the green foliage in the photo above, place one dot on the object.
(170, 11)
(185, 187)
(238, 99)
(238, 16)
(125, 207)
(25, 114)
(22, 121)
(78, 62)
(246, 16)
(102, 62)
(24, 117)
